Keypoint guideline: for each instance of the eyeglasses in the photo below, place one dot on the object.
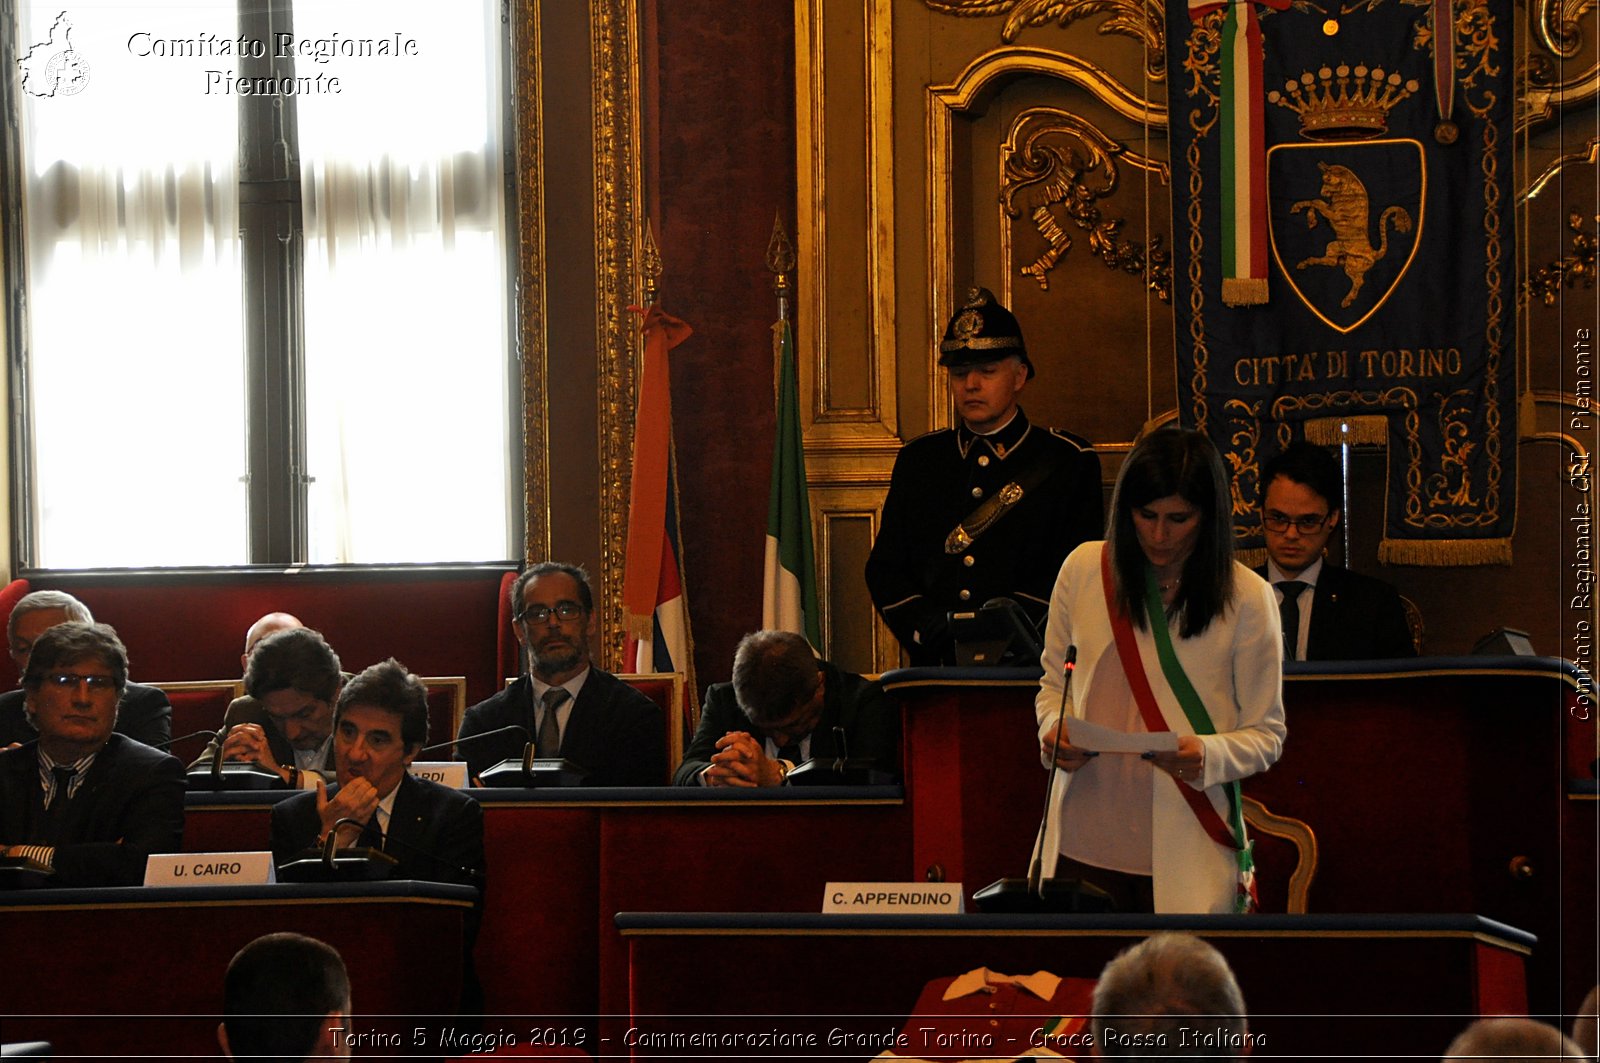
(69, 680)
(538, 614)
(1279, 522)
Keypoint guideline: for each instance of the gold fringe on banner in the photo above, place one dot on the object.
(1244, 291)
(1254, 557)
(641, 628)
(1441, 553)
(1336, 431)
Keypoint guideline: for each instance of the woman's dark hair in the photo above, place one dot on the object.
(1175, 461)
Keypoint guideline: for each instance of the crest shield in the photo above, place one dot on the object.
(1345, 222)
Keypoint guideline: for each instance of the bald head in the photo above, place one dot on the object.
(1512, 1041)
(267, 625)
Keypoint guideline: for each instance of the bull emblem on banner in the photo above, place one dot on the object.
(1340, 264)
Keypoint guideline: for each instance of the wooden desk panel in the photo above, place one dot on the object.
(136, 972)
(1432, 785)
(1318, 987)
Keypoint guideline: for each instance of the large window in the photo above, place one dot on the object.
(263, 313)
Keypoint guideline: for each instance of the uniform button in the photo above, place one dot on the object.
(966, 595)
(983, 460)
(968, 561)
(977, 492)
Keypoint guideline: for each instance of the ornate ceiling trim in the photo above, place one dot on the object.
(1143, 20)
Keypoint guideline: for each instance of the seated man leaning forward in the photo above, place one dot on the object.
(434, 832)
(285, 721)
(144, 714)
(783, 708)
(565, 706)
(83, 801)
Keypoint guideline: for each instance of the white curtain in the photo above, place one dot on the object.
(406, 297)
(135, 350)
(136, 363)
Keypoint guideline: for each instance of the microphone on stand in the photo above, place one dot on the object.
(1035, 872)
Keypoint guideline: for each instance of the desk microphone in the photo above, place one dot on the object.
(474, 738)
(1035, 872)
(169, 743)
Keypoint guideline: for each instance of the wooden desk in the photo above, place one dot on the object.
(563, 862)
(1317, 986)
(131, 971)
(1433, 785)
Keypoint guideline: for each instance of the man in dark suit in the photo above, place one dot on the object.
(285, 721)
(568, 708)
(987, 509)
(783, 708)
(144, 713)
(87, 803)
(1329, 612)
(434, 832)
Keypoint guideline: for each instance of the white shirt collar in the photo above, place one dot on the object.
(1275, 574)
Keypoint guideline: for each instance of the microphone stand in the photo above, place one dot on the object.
(1036, 871)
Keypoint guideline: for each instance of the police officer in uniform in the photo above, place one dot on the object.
(989, 509)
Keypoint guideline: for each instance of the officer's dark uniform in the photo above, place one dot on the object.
(917, 572)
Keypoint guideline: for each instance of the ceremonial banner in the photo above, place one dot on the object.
(789, 572)
(1389, 312)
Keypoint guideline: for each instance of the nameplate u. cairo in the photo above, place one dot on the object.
(209, 869)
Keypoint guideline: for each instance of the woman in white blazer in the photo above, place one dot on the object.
(1118, 820)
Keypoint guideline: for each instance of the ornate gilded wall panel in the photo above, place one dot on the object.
(618, 235)
(845, 325)
(531, 337)
(1047, 183)
(845, 523)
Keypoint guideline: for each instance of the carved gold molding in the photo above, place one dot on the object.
(1590, 155)
(1055, 167)
(966, 94)
(532, 340)
(1576, 267)
(613, 26)
(1143, 20)
(1558, 29)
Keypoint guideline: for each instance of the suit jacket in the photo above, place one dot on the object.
(613, 730)
(249, 710)
(435, 832)
(871, 724)
(129, 805)
(144, 714)
(1355, 618)
(939, 479)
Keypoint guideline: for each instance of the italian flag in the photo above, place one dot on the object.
(789, 575)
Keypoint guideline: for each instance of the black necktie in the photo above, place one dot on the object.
(1289, 610)
(791, 753)
(550, 728)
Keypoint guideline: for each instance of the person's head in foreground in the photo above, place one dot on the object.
(285, 997)
(1169, 995)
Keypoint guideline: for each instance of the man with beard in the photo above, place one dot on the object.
(568, 708)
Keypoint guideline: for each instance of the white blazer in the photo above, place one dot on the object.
(1236, 666)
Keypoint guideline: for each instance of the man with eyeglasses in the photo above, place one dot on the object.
(87, 804)
(567, 707)
(1329, 613)
(783, 708)
(144, 713)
